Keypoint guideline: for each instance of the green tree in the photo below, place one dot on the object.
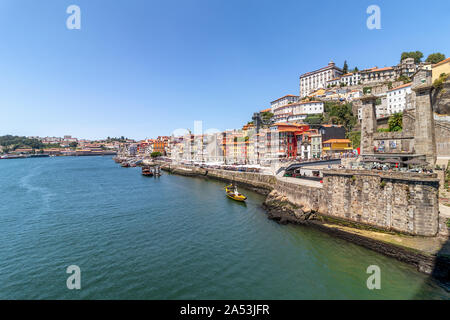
(355, 138)
(345, 68)
(73, 145)
(266, 116)
(416, 55)
(439, 83)
(435, 58)
(404, 78)
(314, 119)
(367, 90)
(156, 154)
(396, 122)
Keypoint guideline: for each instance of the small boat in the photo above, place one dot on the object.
(125, 164)
(232, 193)
(146, 171)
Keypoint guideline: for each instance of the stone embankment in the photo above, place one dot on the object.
(391, 213)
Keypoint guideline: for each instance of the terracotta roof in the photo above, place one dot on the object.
(370, 69)
(400, 87)
(442, 62)
(288, 95)
(266, 110)
(382, 69)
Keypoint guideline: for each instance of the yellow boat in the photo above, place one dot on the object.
(232, 193)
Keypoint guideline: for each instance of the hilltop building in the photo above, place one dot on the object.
(311, 81)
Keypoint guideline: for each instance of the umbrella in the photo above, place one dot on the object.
(416, 162)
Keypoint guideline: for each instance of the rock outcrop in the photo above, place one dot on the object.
(281, 210)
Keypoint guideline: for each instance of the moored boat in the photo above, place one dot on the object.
(232, 193)
(125, 164)
(146, 171)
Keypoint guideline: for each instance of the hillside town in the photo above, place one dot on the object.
(323, 121)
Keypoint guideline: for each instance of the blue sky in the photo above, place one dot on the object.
(145, 68)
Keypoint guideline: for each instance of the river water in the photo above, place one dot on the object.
(172, 237)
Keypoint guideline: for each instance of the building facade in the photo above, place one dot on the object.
(377, 75)
(287, 99)
(397, 99)
(311, 81)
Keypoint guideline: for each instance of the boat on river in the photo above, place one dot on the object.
(125, 164)
(146, 171)
(233, 193)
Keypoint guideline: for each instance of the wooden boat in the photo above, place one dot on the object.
(125, 164)
(232, 193)
(146, 171)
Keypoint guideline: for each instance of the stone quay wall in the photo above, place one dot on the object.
(402, 202)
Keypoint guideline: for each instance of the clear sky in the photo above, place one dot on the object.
(145, 68)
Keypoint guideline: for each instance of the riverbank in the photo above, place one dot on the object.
(429, 255)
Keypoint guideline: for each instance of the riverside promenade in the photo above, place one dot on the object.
(391, 213)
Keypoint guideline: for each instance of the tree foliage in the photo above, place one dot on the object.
(439, 83)
(340, 114)
(416, 55)
(314, 119)
(355, 138)
(345, 68)
(155, 154)
(396, 122)
(435, 58)
(14, 142)
(266, 116)
(404, 78)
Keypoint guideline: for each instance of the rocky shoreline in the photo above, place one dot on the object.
(282, 211)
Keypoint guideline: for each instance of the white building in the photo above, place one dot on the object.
(311, 107)
(311, 81)
(334, 82)
(297, 111)
(351, 79)
(396, 99)
(287, 99)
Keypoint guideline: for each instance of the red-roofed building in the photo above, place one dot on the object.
(377, 75)
(282, 139)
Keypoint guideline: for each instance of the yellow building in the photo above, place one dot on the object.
(337, 146)
(440, 68)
